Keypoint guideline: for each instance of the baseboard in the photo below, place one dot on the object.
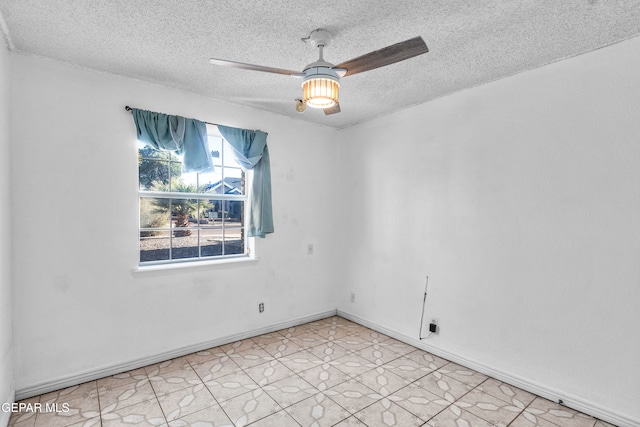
(105, 371)
(574, 402)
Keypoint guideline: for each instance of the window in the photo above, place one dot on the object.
(191, 216)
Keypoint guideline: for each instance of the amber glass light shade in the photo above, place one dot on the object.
(320, 92)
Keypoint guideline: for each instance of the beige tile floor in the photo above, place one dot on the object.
(324, 373)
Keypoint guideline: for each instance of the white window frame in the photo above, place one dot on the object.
(200, 261)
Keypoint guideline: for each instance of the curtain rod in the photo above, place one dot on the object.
(126, 107)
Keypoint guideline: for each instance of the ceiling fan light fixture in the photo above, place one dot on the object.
(321, 79)
(320, 87)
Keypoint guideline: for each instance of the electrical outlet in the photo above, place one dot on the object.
(310, 249)
(353, 297)
(261, 307)
(433, 326)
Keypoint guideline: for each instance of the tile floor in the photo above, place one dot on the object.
(331, 372)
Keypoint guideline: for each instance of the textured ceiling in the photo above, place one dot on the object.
(170, 42)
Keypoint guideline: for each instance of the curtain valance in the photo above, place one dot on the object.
(182, 136)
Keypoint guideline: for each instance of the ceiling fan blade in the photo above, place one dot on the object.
(234, 64)
(385, 56)
(332, 110)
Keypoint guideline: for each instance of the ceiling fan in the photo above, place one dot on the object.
(321, 79)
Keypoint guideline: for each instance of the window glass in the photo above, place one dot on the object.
(190, 216)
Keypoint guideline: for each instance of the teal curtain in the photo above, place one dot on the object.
(251, 151)
(186, 137)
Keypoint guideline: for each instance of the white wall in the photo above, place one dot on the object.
(521, 201)
(6, 347)
(77, 305)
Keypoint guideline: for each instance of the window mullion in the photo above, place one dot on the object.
(199, 235)
(200, 196)
(170, 229)
(223, 203)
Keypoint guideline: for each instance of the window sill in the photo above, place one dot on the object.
(181, 267)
